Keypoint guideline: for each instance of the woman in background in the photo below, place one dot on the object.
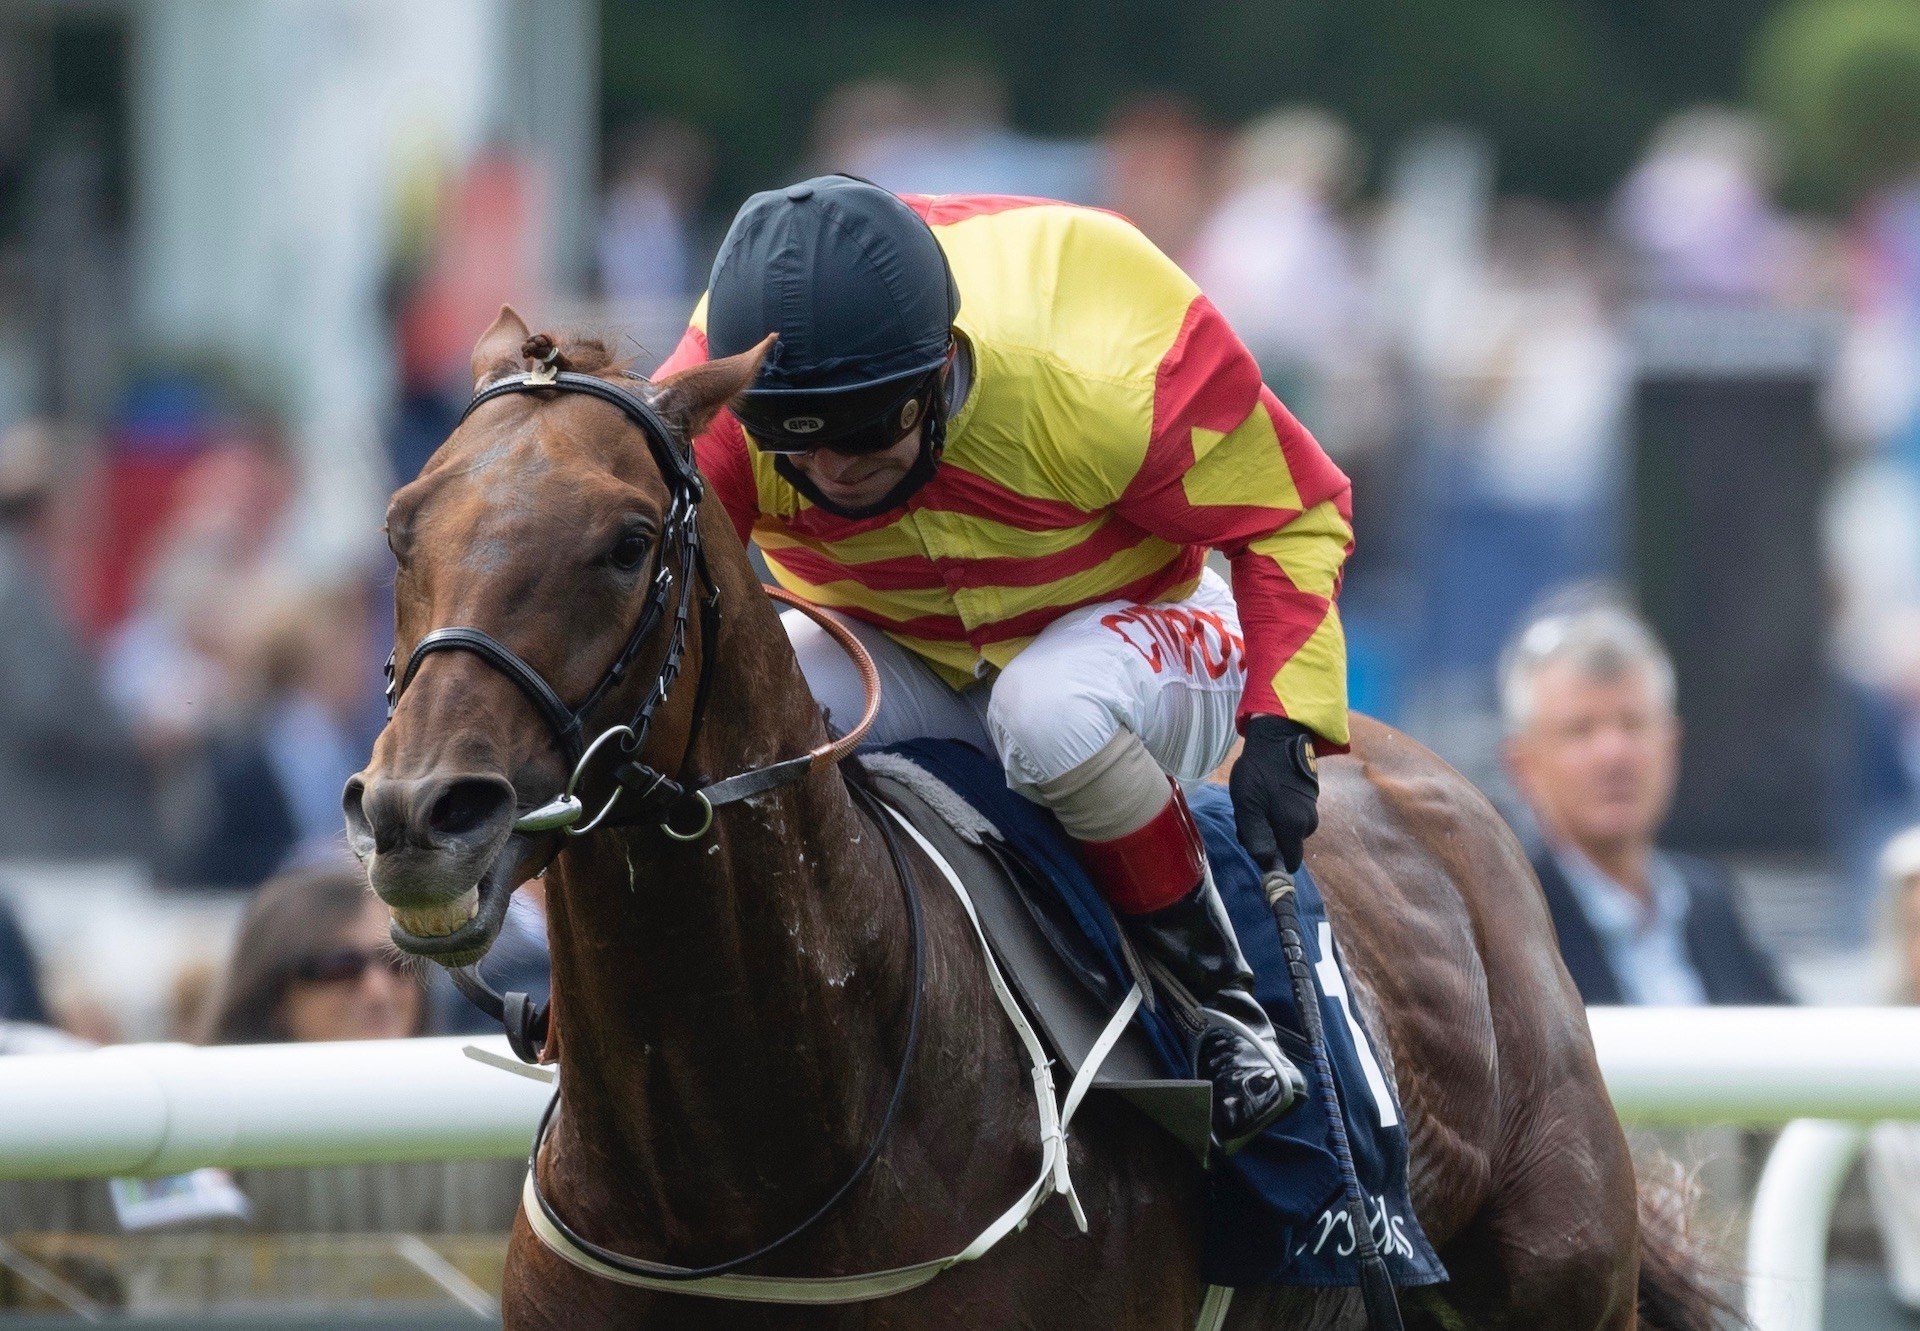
(312, 962)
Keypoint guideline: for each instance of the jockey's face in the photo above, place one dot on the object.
(855, 482)
(1597, 756)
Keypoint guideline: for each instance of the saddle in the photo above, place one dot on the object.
(1030, 929)
(1278, 1212)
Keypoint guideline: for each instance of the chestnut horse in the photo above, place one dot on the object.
(729, 1013)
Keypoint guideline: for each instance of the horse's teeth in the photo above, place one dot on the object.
(435, 921)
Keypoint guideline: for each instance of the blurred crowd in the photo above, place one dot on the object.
(188, 695)
(1472, 359)
(185, 695)
(192, 693)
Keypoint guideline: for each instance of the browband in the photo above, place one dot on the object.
(673, 459)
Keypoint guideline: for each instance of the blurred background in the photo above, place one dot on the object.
(1620, 296)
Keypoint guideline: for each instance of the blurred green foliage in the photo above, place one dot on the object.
(1842, 80)
(1567, 89)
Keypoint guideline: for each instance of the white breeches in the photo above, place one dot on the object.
(1171, 673)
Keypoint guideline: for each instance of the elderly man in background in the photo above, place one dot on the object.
(1593, 748)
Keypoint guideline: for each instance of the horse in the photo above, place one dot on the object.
(740, 1009)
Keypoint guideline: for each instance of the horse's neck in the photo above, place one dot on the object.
(730, 1010)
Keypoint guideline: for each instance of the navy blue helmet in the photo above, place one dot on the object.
(860, 294)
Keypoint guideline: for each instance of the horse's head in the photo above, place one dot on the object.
(540, 523)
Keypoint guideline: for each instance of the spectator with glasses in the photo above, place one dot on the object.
(312, 962)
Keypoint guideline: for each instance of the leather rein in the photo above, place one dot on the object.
(650, 794)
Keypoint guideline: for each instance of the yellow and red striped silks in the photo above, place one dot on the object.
(1116, 429)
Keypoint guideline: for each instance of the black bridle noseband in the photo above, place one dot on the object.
(654, 794)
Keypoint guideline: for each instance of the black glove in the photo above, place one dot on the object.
(1276, 791)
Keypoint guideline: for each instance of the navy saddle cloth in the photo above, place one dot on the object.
(1276, 1212)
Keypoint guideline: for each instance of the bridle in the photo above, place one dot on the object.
(654, 794)
(680, 573)
(649, 792)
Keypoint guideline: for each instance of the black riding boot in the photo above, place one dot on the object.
(1254, 1082)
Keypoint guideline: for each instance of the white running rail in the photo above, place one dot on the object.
(1786, 1265)
(165, 1108)
(160, 1109)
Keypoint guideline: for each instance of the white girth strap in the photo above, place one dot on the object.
(1213, 1308)
(1054, 1116)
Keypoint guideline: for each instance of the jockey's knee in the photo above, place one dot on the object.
(1044, 726)
(1112, 794)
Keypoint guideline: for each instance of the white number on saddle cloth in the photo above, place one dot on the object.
(1334, 985)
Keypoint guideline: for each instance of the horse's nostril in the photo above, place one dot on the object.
(353, 804)
(468, 805)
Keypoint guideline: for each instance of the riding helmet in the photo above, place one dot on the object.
(863, 300)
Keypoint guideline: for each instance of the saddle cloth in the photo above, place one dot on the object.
(1275, 1212)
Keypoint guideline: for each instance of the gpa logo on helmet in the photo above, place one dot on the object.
(802, 424)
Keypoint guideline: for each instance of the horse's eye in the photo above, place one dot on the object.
(628, 552)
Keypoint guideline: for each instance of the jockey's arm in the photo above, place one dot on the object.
(1229, 467)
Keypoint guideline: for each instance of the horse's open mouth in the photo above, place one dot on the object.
(459, 932)
(439, 921)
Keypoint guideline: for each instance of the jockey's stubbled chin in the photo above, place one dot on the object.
(855, 482)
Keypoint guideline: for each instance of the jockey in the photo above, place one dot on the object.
(998, 436)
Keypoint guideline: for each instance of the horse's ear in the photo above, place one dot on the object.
(692, 398)
(499, 347)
